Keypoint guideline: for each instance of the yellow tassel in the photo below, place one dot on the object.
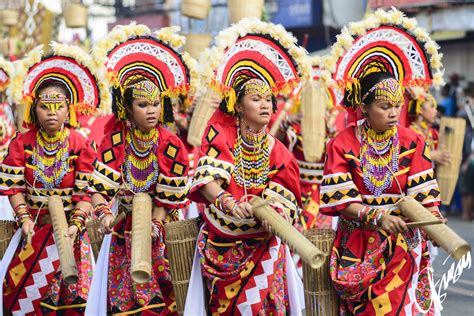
(354, 92)
(28, 119)
(231, 100)
(72, 116)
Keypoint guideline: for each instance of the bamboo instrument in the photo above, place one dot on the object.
(308, 252)
(313, 123)
(180, 239)
(201, 115)
(421, 224)
(451, 137)
(320, 297)
(62, 240)
(140, 269)
(444, 236)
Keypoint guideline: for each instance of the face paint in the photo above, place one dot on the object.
(146, 90)
(52, 101)
(257, 86)
(387, 90)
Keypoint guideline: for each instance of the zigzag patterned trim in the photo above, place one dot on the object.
(423, 187)
(311, 172)
(210, 169)
(385, 201)
(338, 188)
(81, 183)
(172, 190)
(32, 291)
(12, 177)
(284, 197)
(230, 225)
(38, 197)
(105, 180)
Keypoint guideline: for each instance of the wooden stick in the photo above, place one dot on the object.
(423, 223)
(29, 236)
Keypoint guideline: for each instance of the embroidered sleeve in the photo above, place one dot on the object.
(12, 170)
(172, 185)
(422, 184)
(215, 162)
(105, 178)
(84, 169)
(337, 189)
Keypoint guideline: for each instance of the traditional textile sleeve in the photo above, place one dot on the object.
(83, 170)
(421, 183)
(337, 189)
(106, 177)
(172, 185)
(284, 190)
(215, 162)
(12, 170)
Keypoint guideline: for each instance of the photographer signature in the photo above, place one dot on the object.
(451, 277)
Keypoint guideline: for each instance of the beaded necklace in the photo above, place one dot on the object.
(251, 159)
(379, 158)
(51, 158)
(141, 164)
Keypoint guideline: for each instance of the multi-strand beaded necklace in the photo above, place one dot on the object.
(141, 164)
(252, 159)
(51, 158)
(379, 158)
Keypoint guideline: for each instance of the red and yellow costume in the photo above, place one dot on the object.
(232, 251)
(130, 162)
(38, 166)
(371, 269)
(375, 272)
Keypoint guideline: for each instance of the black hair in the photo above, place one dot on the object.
(355, 95)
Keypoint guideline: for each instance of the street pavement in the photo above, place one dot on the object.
(458, 290)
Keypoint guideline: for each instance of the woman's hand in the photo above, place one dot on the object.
(243, 210)
(105, 224)
(442, 157)
(393, 224)
(28, 227)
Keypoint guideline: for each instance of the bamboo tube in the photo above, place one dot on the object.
(320, 297)
(313, 125)
(62, 240)
(201, 115)
(140, 269)
(444, 236)
(451, 137)
(421, 224)
(308, 252)
(180, 239)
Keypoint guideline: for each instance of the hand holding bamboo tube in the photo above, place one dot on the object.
(62, 240)
(444, 236)
(140, 269)
(287, 233)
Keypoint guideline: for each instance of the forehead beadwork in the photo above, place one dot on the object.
(388, 90)
(145, 90)
(256, 86)
(52, 101)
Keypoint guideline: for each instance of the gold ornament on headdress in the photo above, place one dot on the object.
(146, 90)
(256, 86)
(52, 101)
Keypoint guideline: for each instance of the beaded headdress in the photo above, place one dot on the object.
(133, 54)
(6, 70)
(385, 41)
(252, 49)
(72, 68)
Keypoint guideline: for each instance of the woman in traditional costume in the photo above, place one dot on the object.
(246, 270)
(422, 109)
(139, 155)
(51, 158)
(378, 265)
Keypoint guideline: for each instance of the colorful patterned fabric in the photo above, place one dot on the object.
(34, 284)
(124, 296)
(372, 271)
(244, 268)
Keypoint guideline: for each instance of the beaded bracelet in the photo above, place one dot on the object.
(101, 210)
(22, 214)
(373, 217)
(223, 202)
(156, 224)
(78, 218)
